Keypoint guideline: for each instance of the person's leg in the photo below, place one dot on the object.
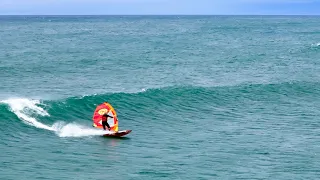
(107, 124)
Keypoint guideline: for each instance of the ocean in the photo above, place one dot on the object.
(206, 97)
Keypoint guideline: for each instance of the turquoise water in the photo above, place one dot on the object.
(206, 97)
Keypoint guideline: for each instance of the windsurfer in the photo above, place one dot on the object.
(105, 121)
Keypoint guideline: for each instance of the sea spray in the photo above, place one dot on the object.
(75, 130)
(27, 110)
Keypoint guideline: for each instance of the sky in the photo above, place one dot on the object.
(159, 7)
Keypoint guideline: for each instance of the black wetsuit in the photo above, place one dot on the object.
(105, 122)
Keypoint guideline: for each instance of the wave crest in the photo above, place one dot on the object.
(27, 110)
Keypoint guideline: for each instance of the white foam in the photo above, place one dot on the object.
(26, 109)
(76, 130)
(23, 108)
(316, 44)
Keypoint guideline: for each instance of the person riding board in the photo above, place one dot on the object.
(105, 121)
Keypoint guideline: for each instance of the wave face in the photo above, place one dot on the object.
(160, 107)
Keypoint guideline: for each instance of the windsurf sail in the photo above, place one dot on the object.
(101, 110)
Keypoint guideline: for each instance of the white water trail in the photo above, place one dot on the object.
(27, 109)
(76, 130)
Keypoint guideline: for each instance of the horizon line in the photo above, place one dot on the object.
(159, 14)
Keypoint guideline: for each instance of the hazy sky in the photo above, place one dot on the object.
(67, 7)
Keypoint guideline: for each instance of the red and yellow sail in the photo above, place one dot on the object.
(101, 110)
